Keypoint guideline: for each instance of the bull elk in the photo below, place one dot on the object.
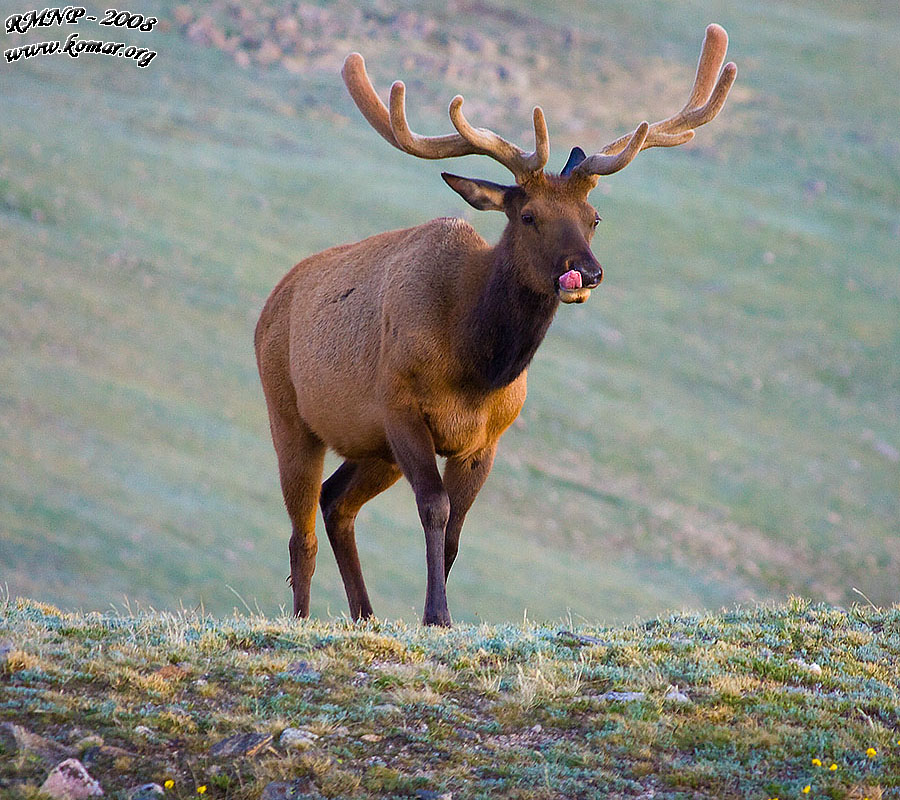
(415, 343)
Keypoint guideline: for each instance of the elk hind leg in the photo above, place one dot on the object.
(301, 456)
(343, 494)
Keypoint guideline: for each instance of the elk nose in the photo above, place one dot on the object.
(587, 265)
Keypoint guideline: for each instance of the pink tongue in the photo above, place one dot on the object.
(571, 280)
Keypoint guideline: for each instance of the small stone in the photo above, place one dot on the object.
(371, 737)
(812, 667)
(297, 738)
(430, 794)
(537, 728)
(622, 696)
(143, 730)
(147, 791)
(302, 672)
(69, 780)
(6, 647)
(242, 744)
(580, 638)
(677, 696)
(299, 789)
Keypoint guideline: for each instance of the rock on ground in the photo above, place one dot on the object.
(622, 697)
(242, 744)
(15, 739)
(300, 789)
(148, 791)
(297, 738)
(676, 695)
(69, 780)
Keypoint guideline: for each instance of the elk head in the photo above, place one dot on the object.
(551, 223)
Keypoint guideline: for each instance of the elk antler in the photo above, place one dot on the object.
(706, 100)
(393, 126)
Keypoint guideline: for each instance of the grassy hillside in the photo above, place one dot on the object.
(734, 384)
(778, 702)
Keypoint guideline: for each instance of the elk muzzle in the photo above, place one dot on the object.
(581, 274)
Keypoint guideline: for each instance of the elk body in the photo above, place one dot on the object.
(414, 344)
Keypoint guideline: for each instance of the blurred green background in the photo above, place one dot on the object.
(719, 424)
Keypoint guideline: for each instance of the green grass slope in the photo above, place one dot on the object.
(774, 702)
(718, 424)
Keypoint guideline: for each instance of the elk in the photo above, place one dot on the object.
(415, 343)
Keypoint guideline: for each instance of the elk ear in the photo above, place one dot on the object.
(575, 158)
(483, 195)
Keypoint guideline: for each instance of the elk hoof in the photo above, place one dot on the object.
(441, 618)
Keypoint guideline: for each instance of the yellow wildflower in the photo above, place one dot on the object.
(816, 762)
(833, 767)
(169, 783)
(201, 790)
(871, 752)
(807, 788)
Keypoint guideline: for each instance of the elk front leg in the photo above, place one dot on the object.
(343, 494)
(413, 447)
(463, 479)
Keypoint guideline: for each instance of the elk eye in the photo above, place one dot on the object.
(596, 221)
(528, 219)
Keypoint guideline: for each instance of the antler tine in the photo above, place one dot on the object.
(448, 146)
(489, 143)
(712, 54)
(707, 97)
(707, 94)
(394, 127)
(691, 117)
(606, 164)
(359, 84)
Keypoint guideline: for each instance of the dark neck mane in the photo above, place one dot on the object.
(506, 326)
